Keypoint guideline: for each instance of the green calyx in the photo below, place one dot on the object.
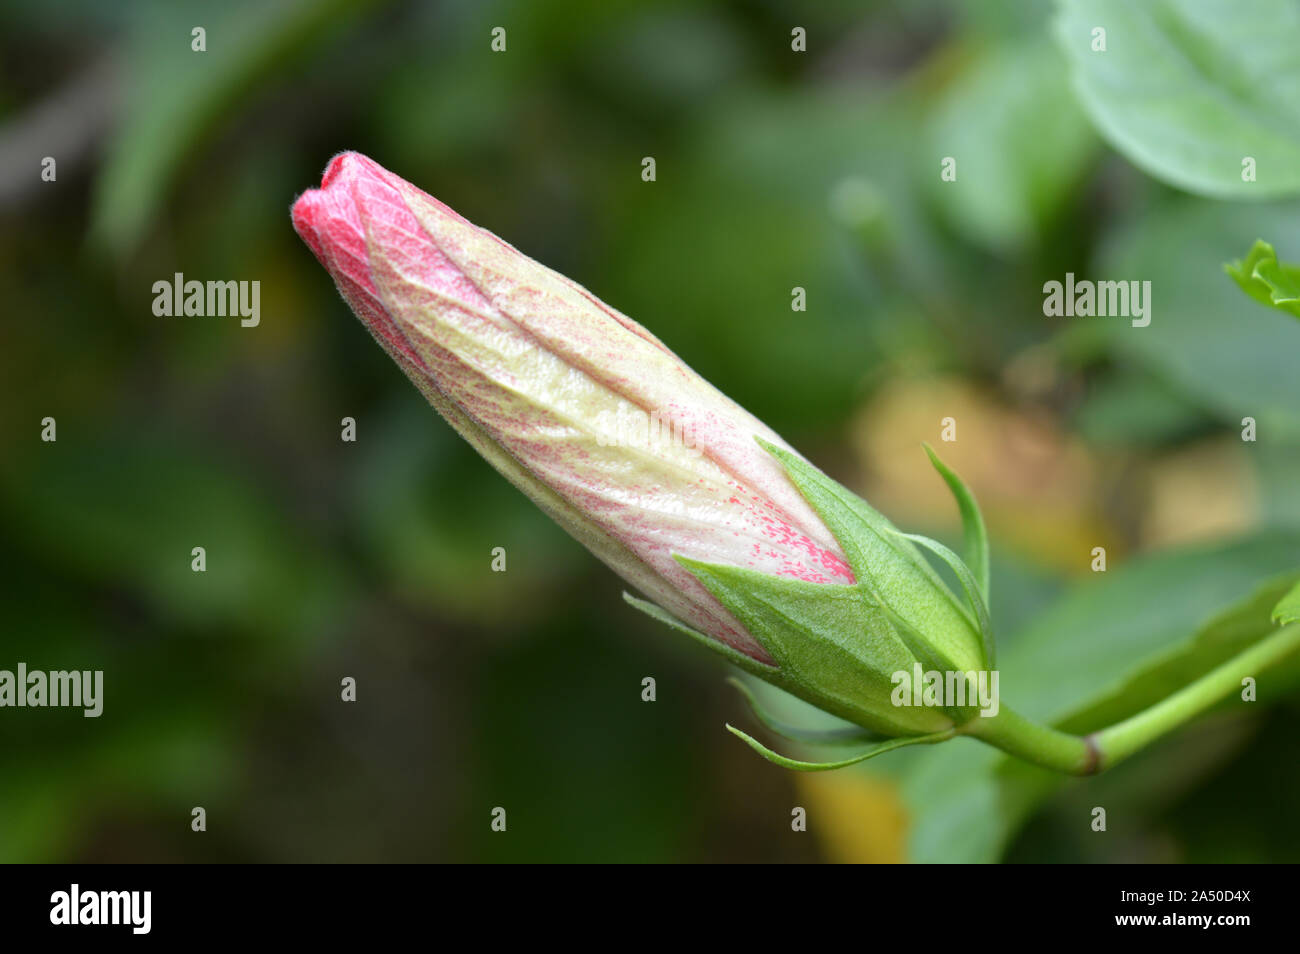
(834, 646)
(889, 566)
(839, 647)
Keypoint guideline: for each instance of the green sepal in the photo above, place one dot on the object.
(878, 749)
(849, 735)
(1287, 609)
(969, 584)
(885, 563)
(834, 646)
(972, 523)
(932, 660)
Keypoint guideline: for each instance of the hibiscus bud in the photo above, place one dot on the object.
(659, 474)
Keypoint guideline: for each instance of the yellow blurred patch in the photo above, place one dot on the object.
(1036, 484)
(856, 818)
(1201, 493)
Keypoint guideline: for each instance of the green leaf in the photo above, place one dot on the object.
(1081, 652)
(1196, 342)
(1020, 141)
(1287, 609)
(1187, 89)
(177, 97)
(879, 749)
(1265, 279)
(890, 568)
(1215, 641)
(972, 523)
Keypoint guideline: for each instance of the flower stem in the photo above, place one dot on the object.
(1016, 735)
(1086, 755)
(1124, 738)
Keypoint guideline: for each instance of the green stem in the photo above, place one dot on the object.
(1016, 735)
(1124, 738)
(1078, 755)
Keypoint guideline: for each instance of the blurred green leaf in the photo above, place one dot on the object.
(967, 800)
(1187, 90)
(165, 730)
(1265, 279)
(747, 209)
(1279, 493)
(177, 95)
(1112, 625)
(1196, 342)
(430, 513)
(128, 511)
(555, 735)
(1287, 609)
(1020, 142)
(1129, 406)
(1222, 637)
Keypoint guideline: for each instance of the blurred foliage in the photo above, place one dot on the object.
(775, 169)
(1190, 91)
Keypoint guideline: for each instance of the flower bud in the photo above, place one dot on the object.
(660, 475)
(582, 408)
